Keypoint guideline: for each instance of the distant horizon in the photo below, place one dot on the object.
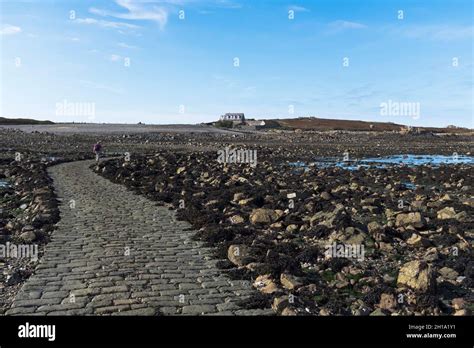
(178, 124)
(188, 61)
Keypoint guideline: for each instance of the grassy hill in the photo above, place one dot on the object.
(17, 121)
(323, 124)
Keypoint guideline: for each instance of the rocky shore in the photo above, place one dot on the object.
(323, 241)
(314, 240)
(28, 205)
(27, 216)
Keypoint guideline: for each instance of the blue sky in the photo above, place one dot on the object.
(183, 70)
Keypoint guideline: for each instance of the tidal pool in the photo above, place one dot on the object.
(386, 161)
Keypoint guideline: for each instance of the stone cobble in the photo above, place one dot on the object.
(118, 253)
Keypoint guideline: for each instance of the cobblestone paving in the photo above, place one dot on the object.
(117, 253)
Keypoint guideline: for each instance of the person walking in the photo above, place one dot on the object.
(97, 149)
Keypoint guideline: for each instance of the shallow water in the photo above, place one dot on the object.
(416, 160)
(4, 184)
(387, 161)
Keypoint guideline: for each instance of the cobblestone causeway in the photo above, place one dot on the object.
(117, 253)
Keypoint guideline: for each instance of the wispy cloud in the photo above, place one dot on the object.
(115, 58)
(8, 29)
(124, 45)
(158, 10)
(137, 10)
(298, 8)
(436, 32)
(106, 24)
(228, 4)
(341, 25)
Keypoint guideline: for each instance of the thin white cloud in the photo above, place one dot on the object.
(341, 25)
(136, 10)
(124, 45)
(115, 57)
(106, 24)
(437, 33)
(8, 29)
(298, 8)
(158, 10)
(228, 4)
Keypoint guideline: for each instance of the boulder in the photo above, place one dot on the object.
(374, 226)
(288, 311)
(279, 303)
(263, 216)
(417, 275)
(289, 281)
(325, 195)
(239, 254)
(265, 284)
(446, 213)
(448, 273)
(236, 219)
(414, 219)
(418, 241)
(377, 313)
(28, 236)
(388, 302)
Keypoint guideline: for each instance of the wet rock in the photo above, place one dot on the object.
(14, 278)
(462, 216)
(326, 196)
(265, 284)
(288, 311)
(414, 219)
(448, 273)
(239, 254)
(41, 219)
(446, 213)
(388, 302)
(237, 219)
(238, 196)
(458, 303)
(291, 228)
(378, 313)
(418, 241)
(263, 216)
(373, 227)
(431, 255)
(279, 303)
(245, 202)
(290, 281)
(417, 275)
(359, 308)
(28, 237)
(257, 267)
